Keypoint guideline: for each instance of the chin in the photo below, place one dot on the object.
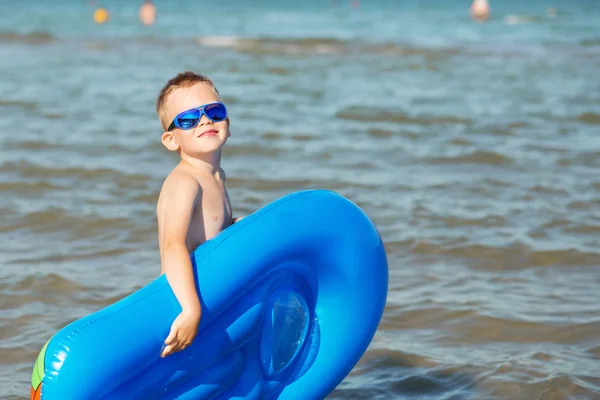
(206, 149)
(203, 146)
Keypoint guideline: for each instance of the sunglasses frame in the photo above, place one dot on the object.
(175, 123)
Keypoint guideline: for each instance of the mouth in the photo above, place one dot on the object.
(209, 132)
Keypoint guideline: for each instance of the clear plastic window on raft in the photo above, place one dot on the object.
(285, 327)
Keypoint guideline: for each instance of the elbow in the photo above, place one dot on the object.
(174, 246)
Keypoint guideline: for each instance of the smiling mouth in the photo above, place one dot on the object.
(211, 132)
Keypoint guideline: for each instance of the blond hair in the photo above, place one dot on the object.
(182, 80)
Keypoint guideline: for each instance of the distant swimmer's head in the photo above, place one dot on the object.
(480, 10)
(147, 13)
(192, 115)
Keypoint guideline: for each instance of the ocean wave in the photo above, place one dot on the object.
(546, 189)
(112, 253)
(590, 118)
(275, 46)
(27, 38)
(590, 42)
(515, 256)
(323, 45)
(26, 105)
(54, 281)
(75, 226)
(31, 170)
(269, 184)
(516, 19)
(386, 373)
(33, 145)
(583, 158)
(20, 188)
(54, 289)
(380, 133)
(252, 150)
(373, 114)
(475, 157)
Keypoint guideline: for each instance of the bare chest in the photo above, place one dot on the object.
(211, 215)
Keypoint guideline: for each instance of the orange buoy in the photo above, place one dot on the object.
(480, 10)
(101, 15)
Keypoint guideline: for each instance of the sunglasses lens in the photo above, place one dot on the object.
(189, 119)
(216, 112)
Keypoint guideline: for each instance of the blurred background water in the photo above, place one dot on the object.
(474, 147)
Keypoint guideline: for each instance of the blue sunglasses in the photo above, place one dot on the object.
(189, 119)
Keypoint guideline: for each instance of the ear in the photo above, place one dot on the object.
(168, 140)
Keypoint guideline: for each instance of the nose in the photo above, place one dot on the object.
(204, 120)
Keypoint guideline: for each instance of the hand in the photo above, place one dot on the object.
(183, 332)
(236, 219)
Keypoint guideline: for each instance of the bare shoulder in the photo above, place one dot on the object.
(180, 179)
(179, 186)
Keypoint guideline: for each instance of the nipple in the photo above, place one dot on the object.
(215, 217)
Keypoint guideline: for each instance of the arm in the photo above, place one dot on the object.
(181, 194)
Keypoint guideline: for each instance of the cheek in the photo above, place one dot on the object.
(226, 127)
(223, 126)
(181, 138)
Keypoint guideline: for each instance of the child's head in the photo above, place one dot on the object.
(192, 116)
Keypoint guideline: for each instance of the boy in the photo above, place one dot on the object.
(193, 205)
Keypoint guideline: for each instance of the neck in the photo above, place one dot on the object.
(208, 163)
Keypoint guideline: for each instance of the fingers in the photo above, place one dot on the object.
(174, 346)
(172, 337)
(167, 351)
(182, 334)
(171, 343)
(170, 349)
